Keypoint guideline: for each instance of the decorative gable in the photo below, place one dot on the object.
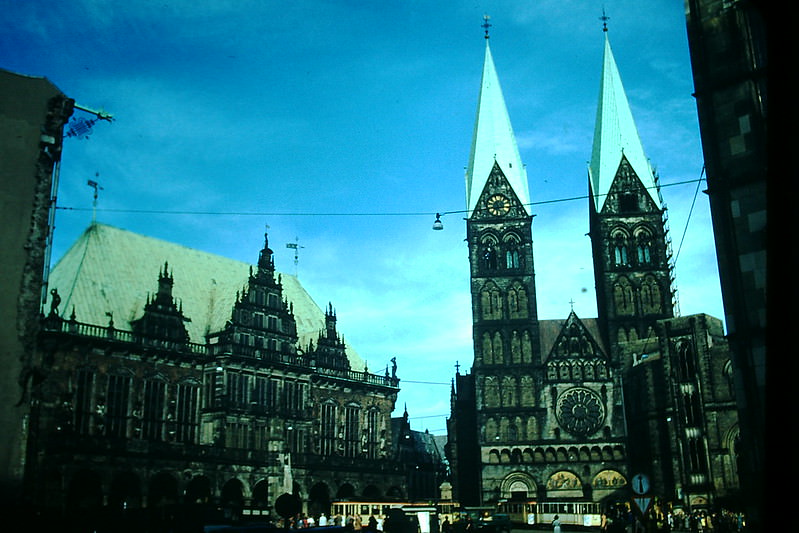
(262, 323)
(163, 320)
(498, 199)
(576, 355)
(627, 194)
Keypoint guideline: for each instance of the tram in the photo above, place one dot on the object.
(422, 514)
(531, 512)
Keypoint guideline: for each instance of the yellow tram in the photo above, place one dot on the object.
(531, 512)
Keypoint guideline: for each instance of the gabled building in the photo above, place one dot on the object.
(169, 378)
(569, 411)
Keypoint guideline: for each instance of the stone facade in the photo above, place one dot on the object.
(142, 420)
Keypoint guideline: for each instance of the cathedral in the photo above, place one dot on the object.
(560, 412)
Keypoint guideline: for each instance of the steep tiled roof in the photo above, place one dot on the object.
(110, 271)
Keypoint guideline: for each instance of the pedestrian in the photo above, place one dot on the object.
(556, 524)
(446, 527)
(322, 520)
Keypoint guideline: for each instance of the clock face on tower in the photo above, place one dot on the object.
(498, 205)
(580, 411)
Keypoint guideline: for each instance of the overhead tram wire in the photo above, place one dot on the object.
(387, 214)
(334, 214)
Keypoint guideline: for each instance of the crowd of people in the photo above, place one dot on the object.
(657, 520)
(353, 522)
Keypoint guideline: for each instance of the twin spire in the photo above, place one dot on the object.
(615, 134)
(493, 140)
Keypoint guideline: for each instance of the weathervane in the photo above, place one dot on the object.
(296, 246)
(604, 18)
(96, 186)
(486, 25)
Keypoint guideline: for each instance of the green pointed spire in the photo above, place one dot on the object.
(615, 134)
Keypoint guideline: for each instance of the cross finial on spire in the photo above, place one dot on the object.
(571, 302)
(604, 18)
(486, 25)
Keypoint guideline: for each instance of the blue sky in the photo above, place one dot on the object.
(345, 126)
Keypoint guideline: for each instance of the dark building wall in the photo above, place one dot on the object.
(728, 45)
(32, 114)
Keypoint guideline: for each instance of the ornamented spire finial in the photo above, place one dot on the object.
(604, 18)
(486, 25)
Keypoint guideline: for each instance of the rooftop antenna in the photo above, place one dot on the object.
(96, 187)
(296, 246)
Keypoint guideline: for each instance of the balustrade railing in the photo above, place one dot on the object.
(55, 324)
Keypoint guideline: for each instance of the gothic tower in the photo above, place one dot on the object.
(627, 223)
(504, 314)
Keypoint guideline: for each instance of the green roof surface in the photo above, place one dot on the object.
(110, 272)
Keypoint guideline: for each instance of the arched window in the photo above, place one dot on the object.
(651, 295)
(490, 258)
(490, 430)
(619, 245)
(511, 245)
(527, 348)
(491, 302)
(488, 349)
(517, 301)
(643, 247)
(509, 392)
(491, 392)
(515, 347)
(499, 350)
(686, 367)
(623, 297)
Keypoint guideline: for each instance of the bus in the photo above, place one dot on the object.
(531, 512)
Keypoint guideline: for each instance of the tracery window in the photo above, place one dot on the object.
(515, 347)
(491, 392)
(619, 247)
(488, 349)
(509, 392)
(499, 350)
(511, 244)
(491, 302)
(517, 301)
(623, 297)
(527, 348)
(491, 430)
(527, 392)
(644, 247)
(489, 254)
(650, 295)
